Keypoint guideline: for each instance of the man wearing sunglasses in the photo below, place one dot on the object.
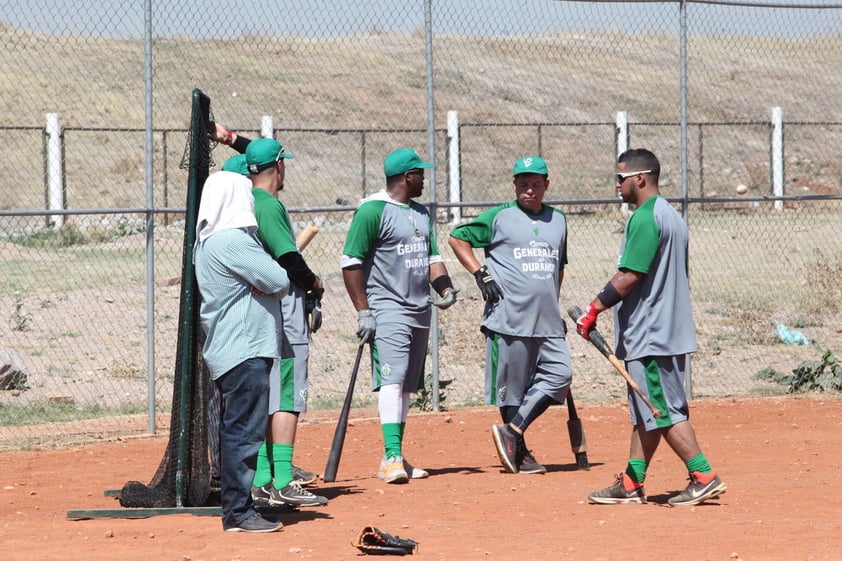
(389, 263)
(654, 334)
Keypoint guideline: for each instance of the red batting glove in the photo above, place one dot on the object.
(587, 322)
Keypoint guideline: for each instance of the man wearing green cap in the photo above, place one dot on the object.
(528, 365)
(389, 262)
(277, 479)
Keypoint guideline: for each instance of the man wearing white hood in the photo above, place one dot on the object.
(241, 286)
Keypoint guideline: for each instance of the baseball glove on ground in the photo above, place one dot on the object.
(373, 541)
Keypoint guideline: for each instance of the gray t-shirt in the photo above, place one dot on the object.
(656, 318)
(525, 253)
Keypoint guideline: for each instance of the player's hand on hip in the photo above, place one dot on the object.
(445, 300)
(487, 285)
(365, 326)
(587, 322)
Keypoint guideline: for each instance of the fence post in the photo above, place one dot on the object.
(454, 165)
(55, 171)
(267, 129)
(777, 156)
(621, 135)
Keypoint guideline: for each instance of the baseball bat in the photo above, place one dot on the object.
(306, 236)
(342, 423)
(599, 342)
(578, 443)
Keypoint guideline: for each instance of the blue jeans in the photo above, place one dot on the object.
(242, 429)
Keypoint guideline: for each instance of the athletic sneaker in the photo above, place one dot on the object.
(256, 524)
(411, 471)
(697, 491)
(510, 446)
(295, 494)
(302, 476)
(617, 494)
(394, 470)
(530, 465)
(262, 496)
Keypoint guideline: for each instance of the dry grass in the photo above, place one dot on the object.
(377, 82)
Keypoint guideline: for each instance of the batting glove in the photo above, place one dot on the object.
(587, 322)
(445, 300)
(365, 326)
(313, 307)
(487, 285)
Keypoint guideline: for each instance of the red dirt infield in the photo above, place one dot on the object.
(779, 456)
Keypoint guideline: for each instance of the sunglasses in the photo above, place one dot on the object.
(280, 155)
(620, 177)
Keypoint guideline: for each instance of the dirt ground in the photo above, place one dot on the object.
(780, 458)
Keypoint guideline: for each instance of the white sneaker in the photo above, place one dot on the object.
(392, 470)
(411, 471)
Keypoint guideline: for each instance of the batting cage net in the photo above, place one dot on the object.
(184, 475)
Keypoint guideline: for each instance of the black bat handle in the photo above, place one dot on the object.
(342, 423)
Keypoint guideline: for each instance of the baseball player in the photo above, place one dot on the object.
(654, 332)
(304, 298)
(389, 262)
(276, 482)
(527, 366)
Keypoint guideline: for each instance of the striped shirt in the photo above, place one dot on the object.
(239, 324)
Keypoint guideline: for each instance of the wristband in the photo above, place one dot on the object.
(609, 295)
(440, 283)
(228, 138)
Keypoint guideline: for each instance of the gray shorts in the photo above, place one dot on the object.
(513, 365)
(398, 355)
(288, 388)
(661, 378)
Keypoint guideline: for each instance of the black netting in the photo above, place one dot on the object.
(183, 477)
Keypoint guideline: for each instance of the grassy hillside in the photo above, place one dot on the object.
(376, 82)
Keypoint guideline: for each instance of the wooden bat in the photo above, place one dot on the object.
(578, 443)
(599, 342)
(306, 236)
(342, 423)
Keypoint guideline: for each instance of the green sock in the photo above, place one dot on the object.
(282, 464)
(698, 463)
(391, 439)
(263, 471)
(636, 470)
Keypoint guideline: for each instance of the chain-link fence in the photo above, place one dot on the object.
(738, 99)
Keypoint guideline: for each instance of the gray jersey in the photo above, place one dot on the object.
(394, 244)
(656, 318)
(525, 253)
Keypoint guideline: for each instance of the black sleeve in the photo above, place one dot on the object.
(297, 269)
(240, 144)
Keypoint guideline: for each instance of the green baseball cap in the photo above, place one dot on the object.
(262, 151)
(530, 164)
(403, 160)
(237, 164)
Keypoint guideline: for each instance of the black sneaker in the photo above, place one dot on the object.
(617, 494)
(302, 476)
(295, 494)
(530, 465)
(256, 524)
(262, 496)
(697, 492)
(509, 446)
